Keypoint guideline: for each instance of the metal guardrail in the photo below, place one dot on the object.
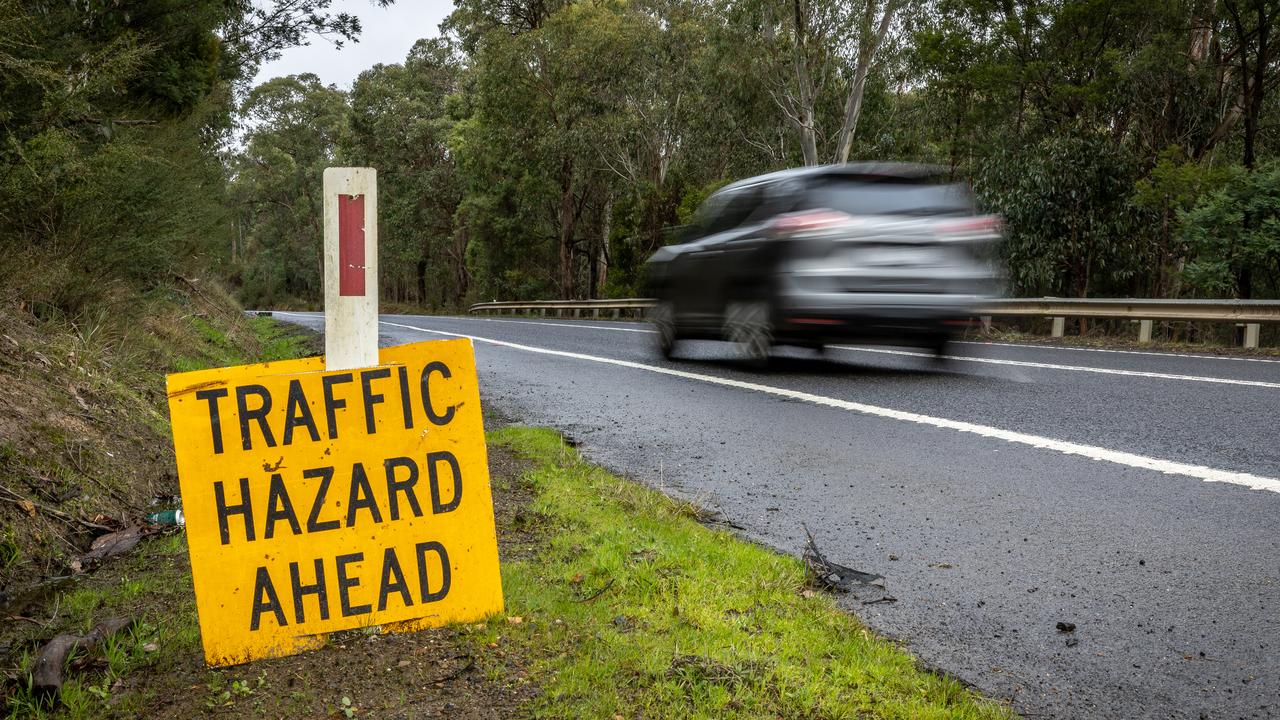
(627, 307)
(1249, 312)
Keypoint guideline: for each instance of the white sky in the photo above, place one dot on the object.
(388, 34)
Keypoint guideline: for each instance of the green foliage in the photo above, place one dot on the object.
(1070, 225)
(295, 123)
(400, 124)
(1233, 236)
(112, 118)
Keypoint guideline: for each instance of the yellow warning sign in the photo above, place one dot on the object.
(319, 501)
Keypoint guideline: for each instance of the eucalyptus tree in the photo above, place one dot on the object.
(400, 124)
(815, 56)
(295, 124)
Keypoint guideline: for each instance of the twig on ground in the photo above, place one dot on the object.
(471, 663)
(597, 593)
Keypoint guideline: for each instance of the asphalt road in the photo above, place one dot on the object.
(1132, 494)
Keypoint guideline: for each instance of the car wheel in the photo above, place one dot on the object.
(749, 327)
(663, 318)
(939, 348)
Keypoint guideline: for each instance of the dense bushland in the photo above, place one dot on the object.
(542, 148)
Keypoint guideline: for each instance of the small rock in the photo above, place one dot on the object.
(403, 663)
(1065, 627)
(150, 647)
(1031, 590)
(1072, 642)
(893, 557)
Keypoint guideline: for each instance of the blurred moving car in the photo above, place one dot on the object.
(861, 252)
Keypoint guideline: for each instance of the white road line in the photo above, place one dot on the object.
(1167, 467)
(1073, 368)
(969, 358)
(1031, 346)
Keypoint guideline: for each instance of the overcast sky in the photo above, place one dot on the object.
(388, 35)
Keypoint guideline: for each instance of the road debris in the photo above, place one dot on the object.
(46, 675)
(168, 517)
(1065, 627)
(109, 545)
(833, 576)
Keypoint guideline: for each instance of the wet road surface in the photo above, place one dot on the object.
(1133, 494)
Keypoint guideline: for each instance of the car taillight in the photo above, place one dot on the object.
(809, 222)
(980, 225)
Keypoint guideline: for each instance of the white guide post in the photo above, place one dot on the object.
(350, 268)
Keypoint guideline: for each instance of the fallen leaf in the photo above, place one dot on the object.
(515, 620)
(28, 507)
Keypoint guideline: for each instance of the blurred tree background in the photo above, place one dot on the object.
(542, 148)
(116, 123)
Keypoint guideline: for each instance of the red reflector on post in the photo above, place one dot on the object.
(351, 245)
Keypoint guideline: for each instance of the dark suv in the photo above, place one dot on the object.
(885, 253)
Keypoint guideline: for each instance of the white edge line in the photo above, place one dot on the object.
(1073, 368)
(968, 358)
(1031, 346)
(1168, 467)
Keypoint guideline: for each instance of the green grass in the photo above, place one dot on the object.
(278, 340)
(152, 586)
(694, 622)
(626, 604)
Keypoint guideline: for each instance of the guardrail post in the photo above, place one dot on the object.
(1059, 326)
(1251, 331)
(1144, 331)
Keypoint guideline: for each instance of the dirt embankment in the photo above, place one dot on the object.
(84, 437)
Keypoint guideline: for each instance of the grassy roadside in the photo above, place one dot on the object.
(84, 435)
(619, 604)
(668, 618)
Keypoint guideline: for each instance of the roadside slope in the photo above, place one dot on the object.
(84, 436)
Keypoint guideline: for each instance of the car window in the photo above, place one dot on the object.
(777, 198)
(880, 197)
(727, 210)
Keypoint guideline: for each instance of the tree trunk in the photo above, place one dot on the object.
(809, 140)
(867, 49)
(567, 227)
(602, 256)
(461, 277)
(421, 277)
(1258, 90)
